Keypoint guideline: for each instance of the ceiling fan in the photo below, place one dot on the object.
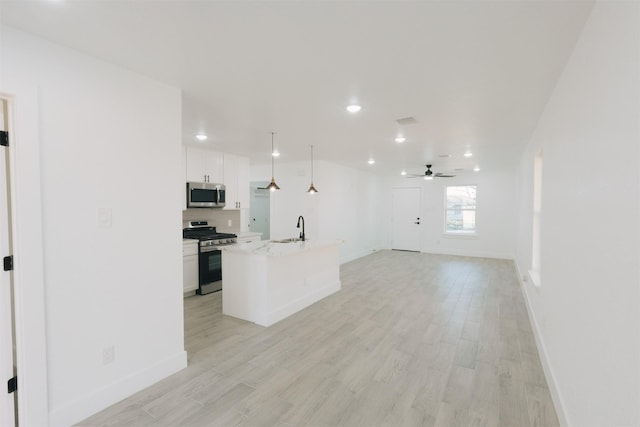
(428, 174)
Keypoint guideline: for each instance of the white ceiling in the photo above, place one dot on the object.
(475, 75)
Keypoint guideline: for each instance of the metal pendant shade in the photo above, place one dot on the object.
(312, 189)
(272, 185)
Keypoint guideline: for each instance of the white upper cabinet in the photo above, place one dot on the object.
(236, 180)
(204, 165)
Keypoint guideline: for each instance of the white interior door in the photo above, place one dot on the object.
(260, 207)
(406, 219)
(7, 347)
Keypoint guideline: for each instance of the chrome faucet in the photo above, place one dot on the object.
(298, 226)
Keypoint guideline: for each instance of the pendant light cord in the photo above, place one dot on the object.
(272, 133)
(312, 164)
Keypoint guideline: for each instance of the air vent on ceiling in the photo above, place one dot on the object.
(407, 121)
(444, 156)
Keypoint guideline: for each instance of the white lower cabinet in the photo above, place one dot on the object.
(190, 266)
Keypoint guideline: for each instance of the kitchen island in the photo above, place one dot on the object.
(265, 281)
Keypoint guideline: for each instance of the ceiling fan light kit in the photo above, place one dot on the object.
(429, 175)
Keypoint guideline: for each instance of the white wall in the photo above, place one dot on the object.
(495, 216)
(108, 139)
(217, 217)
(586, 308)
(346, 206)
(350, 209)
(354, 206)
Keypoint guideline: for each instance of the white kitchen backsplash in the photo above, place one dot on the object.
(224, 221)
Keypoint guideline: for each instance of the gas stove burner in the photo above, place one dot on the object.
(207, 235)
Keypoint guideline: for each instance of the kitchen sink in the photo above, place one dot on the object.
(289, 240)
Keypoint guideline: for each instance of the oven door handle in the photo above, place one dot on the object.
(209, 249)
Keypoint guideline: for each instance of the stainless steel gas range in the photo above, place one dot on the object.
(209, 254)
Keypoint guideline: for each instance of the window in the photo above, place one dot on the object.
(460, 209)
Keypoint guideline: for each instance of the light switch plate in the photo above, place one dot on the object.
(103, 217)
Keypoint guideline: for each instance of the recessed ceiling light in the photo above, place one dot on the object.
(476, 169)
(275, 153)
(371, 161)
(400, 139)
(428, 177)
(403, 173)
(468, 154)
(201, 137)
(354, 108)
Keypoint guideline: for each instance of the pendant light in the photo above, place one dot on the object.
(272, 186)
(312, 189)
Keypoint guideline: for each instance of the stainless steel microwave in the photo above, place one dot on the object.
(205, 195)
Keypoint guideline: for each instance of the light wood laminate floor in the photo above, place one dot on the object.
(411, 340)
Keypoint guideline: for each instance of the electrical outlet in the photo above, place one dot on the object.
(229, 222)
(108, 355)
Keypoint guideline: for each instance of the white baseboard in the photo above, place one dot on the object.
(91, 403)
(268, 319)
(496, 255)
(558, 402)
(481, 254)
(352, 257)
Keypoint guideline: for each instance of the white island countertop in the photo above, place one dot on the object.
(248, 234)
(266, 281)
(271, 248)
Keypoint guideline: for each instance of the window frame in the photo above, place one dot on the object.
(460, 233)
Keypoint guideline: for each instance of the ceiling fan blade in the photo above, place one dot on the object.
(429, 174)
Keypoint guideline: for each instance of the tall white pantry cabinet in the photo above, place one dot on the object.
(236, 180)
